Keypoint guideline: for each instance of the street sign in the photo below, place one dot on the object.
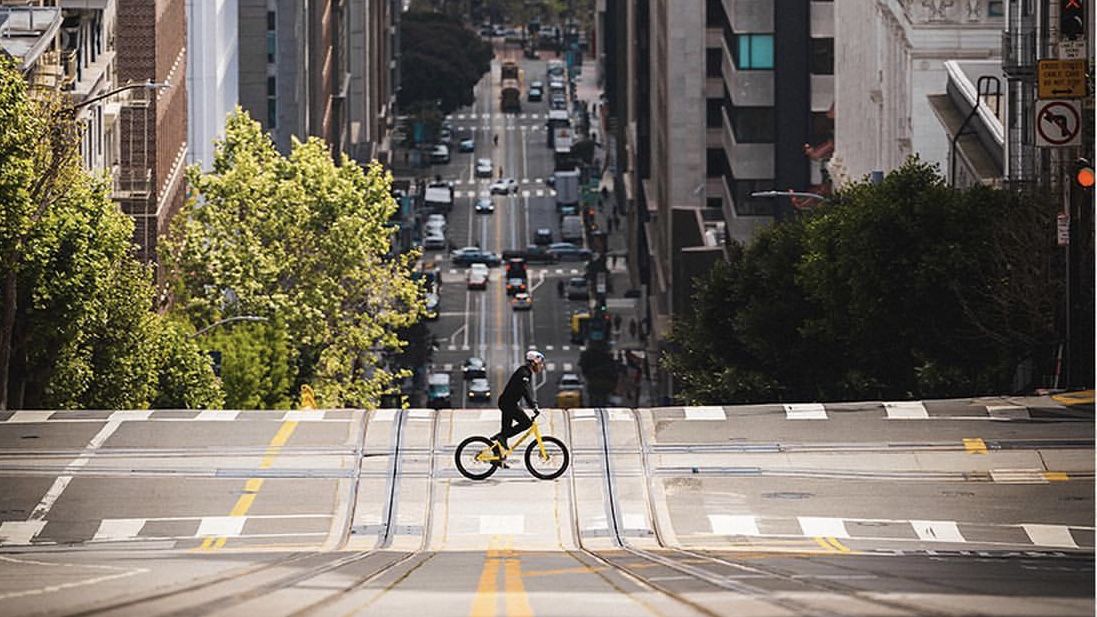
(1072, 50)
(1063, 229)
(1061, 79)
(1058, 124)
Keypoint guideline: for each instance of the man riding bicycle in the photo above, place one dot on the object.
(518, 387)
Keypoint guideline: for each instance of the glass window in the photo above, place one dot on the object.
(272, 85)
(270, 20)
(754, 124)
(713, 118)
(272, 47)
(716, 163)
(995, 8)
(754, 51)
(272, 113)
(822, 56)
(714, 59)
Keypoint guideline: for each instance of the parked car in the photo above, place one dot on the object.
(474, 366)
(515, 285)
(521, 301)
(534, 95)
(484, 205)
(566, 251)
(440, 154)
(431, 301)
(578, 288)
(537, 83)
(569, 381)
(477, 277)
(473, 254)
(504, 186)
(483, 168)
(445, 136)
(436, 220)
(479, 390)
(438, 390)
(542, 236)
(467, 144)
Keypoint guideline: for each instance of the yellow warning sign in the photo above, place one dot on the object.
(1061, 79)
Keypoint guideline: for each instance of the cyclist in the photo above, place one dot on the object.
(518, 387)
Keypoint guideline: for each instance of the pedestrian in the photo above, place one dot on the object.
(632, 327)
(495, 139)
(616, 323)
(560, 288)
(605, 193)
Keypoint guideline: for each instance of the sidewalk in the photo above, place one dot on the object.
(635, 388)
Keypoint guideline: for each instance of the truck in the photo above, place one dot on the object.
(438, 198)
(509, 71)
(567, 191)
(557, 118)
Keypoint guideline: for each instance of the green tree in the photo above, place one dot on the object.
(903, 289)
(300, 240)
(257, 365)
(441, 61)
(78, 328)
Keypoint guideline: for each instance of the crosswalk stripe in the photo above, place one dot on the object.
(19, 532)
(1011, 412)
(823, 526)
(565, 348)
(525, 193)
(540, 192)
(218, 415)
(118, 529)
(447, 367)
(705, 413)
(733, 524)
(549, 347)
(21, 417)
(1050, 535)
(218, 526)
(937, 531)
(902, 410)
(1018, 476)
(568, 367)
(806, 411)
(303, 415)
(451, 347)
(551, 366)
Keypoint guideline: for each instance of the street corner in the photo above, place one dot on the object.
(1081, 400)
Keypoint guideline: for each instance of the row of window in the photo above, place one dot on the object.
(272, 85)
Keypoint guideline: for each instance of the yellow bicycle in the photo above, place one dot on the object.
(546, 457)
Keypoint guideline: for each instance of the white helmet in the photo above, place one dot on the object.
(535, 356)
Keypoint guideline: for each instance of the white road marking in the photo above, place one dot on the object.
(905, 410)
(1018, 476)
(447, 367)
(565, 348)
(121, 573)
(420, 414)
(938, 531)
(1011, 412)
(19, 532)
(823, 526)
(805, 411)
(451, 347)
(1050, 535)
(733, 524)
(21, 417)
(551, 366)
(705, 413)
(568, 367)
(582, 413)
(218, 415)
(218, 526)
(113, 529)
(46, 504)
(540, 192)
(549, 347)
(304, 415)
(495, 524)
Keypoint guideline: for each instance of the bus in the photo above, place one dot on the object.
(509, 71)
(557, 119)
(510, 98)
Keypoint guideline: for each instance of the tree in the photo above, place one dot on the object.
(303, 242)
(78, 328)
(903, 289)
(441, 61)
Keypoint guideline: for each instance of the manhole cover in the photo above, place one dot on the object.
(788, 495)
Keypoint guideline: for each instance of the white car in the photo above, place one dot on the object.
(503, 186)
(440, 154)
(436, 219)
(478, 276)
(433, 242)
(483, 168)
(569, 381)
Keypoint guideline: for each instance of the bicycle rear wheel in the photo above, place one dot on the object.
(550, 466)
(466, 458)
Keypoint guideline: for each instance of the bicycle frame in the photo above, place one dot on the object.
(488, 454)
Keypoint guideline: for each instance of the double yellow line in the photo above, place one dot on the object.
(486, 603)
(832, 545)
(252, 486)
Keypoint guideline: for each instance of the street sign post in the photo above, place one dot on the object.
(1061, 79)
(1058, 124)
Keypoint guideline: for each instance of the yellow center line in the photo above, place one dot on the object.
(1056, 476)
(823, 543)
(975, 445)
(842, 548)
(516, 599)
(251, 487)
(484, 603)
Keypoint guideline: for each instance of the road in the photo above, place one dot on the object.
(935, 508)
(481, 323)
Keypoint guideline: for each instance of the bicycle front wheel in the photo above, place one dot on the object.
(467, 458)
(554, 461)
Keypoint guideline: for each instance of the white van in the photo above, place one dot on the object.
(571, 229)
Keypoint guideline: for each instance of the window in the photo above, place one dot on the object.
(714, 59)
(822, 56)
(822, 127)
(714, 13)
(995, 8)
(714, 119)
(754, 124)
(714, 202)
(753, 51)
(272, 113)
(716, 163)
(272, 47)
(272, 85)
(270, 20)
(745, 205)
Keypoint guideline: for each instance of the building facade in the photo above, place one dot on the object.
(212, 74)
(319, 68)
(890, 59)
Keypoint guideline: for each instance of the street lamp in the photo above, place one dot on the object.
(789, 193)
(148, 85)
(228, 320)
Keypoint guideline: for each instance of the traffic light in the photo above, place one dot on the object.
(1072, 19)
(1083, 174)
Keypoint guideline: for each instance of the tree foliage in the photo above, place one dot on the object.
(903, 289)
(302, 242)
(441, 60)
(80, 331)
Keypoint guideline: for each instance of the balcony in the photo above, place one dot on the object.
(747, 161)
(747, 88)
(822, 20)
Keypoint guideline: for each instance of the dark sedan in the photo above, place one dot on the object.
(566, 251)
(532, 254)
(473, 255)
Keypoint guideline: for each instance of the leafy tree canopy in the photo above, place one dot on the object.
(903, 289)
(302, 242)
(441, 60)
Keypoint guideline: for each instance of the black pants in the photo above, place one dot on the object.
(514, 422)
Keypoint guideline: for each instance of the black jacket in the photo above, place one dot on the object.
(518, 387)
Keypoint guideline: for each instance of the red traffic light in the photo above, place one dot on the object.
(1084, 177)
